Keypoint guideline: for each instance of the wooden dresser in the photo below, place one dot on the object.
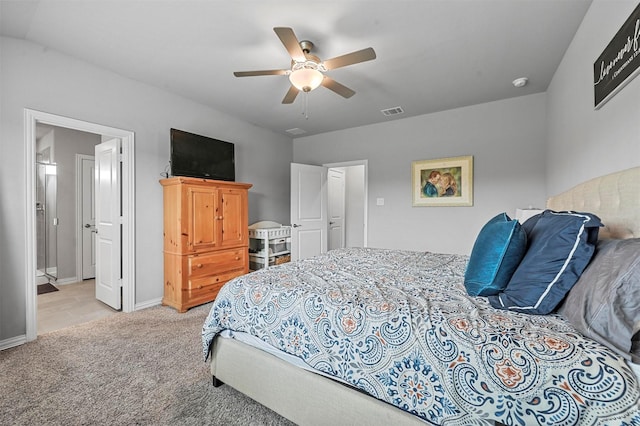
(205, 238)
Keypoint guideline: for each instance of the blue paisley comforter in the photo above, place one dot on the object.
(400, 326)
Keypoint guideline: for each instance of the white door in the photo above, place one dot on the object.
(88, 218)
(108, 223)
(336, 197)
(308, 210)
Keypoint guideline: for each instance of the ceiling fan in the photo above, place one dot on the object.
(307, 70)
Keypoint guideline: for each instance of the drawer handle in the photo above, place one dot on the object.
(237, 257)
(199, 265)
(199, 287)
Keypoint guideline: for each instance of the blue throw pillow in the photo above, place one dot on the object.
(560, 245)
(496, 254)
(530, 223)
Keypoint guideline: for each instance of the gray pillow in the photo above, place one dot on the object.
(605, 302)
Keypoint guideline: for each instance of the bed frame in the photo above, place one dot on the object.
(614, 198)
(304, 397)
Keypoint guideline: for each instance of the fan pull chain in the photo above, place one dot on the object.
(305, 111)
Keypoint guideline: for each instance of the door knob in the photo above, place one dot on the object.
(295, 225)
(86, 225)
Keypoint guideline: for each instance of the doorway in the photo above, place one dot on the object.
(32, 120)
(355, 201)
(351, 204)
(60, 187)
(310, 209)
(85, 217)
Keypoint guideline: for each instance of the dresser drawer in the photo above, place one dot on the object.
(200, 283)
(198, 296)
(215, 263)
(201, 288)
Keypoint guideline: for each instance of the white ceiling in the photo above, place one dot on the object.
(432, 55)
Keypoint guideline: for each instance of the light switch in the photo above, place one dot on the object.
(380, 201)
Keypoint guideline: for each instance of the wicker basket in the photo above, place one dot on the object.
(283, 259)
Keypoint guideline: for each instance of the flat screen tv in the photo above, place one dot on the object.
(201, 157)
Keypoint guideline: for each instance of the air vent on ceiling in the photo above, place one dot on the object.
(389, 112)
(295, 131)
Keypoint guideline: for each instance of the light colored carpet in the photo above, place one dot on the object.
(142, 368)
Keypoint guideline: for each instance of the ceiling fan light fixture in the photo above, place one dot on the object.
(307, 71)
(306, 76)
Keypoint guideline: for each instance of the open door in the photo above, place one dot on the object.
(108, 223)
(336, 196)
(309, 221)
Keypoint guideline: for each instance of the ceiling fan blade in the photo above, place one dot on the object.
(341, 90)
(350, 58)
(290, 96)
(291, 43)
(263, 72)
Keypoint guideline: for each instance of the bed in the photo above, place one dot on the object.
(294, 337)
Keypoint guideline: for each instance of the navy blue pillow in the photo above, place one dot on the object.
(530, 223)
(496, 254)
(560, 245)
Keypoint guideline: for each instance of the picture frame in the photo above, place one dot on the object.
(442, 182)
(619, 62)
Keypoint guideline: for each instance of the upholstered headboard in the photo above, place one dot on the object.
(614, 198)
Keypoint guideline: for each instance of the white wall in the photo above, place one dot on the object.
(583, 142)
(506, 139)
(35, 77)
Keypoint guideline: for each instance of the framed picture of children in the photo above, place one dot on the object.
(443, 182)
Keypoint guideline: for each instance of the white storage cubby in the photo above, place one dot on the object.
(257, 262)
(269, 246)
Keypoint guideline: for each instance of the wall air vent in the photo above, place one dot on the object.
(390, 112)
(295, 131)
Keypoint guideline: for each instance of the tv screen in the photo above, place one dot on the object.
(201, 157)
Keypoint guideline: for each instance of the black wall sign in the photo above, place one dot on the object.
(619, 63)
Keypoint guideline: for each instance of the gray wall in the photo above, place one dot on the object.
(506, 139)
(45, 80)
(524, 150)
(583, 142)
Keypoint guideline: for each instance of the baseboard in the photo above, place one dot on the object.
(64, 281)
(12, 342)
(147, 304)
